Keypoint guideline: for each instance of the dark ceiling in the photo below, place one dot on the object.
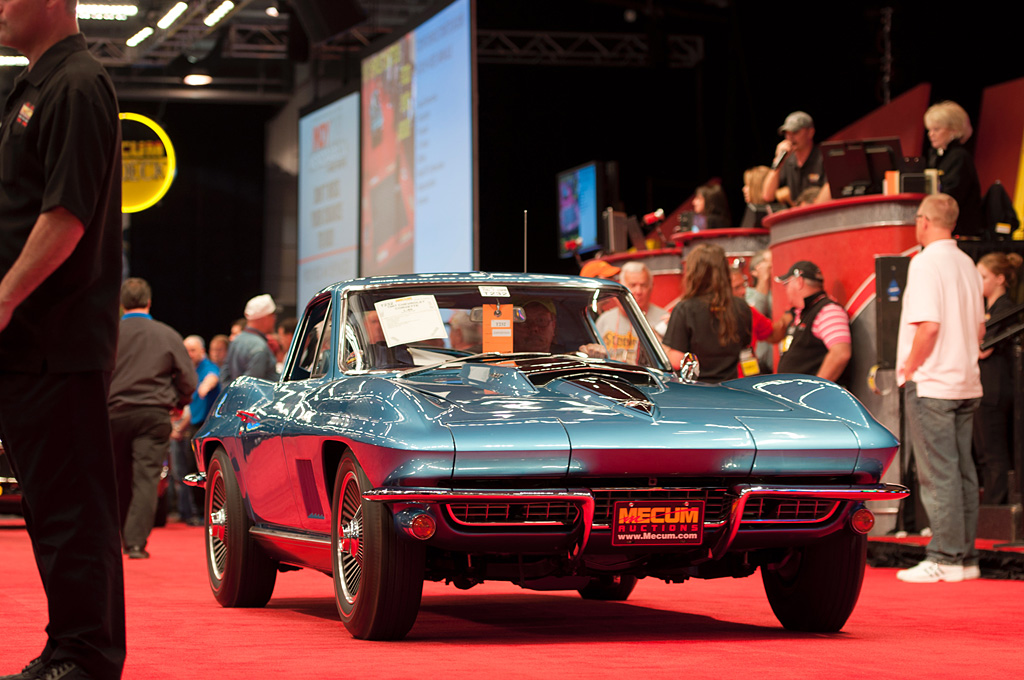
(252, 54)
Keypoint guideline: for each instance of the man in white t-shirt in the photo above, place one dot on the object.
(941, 327)
(616, 331)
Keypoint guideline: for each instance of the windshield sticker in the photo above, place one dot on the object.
(494, 291)
(410, 319)
(497, 329)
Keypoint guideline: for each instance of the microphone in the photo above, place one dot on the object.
(656, 216)
(778, 160)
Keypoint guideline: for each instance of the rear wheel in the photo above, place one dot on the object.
(611, 588)
(816, 587)
(241, 575)
(378, 575)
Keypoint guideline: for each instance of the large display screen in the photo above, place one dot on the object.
(418, 186)
(328, 226)
(579, 212)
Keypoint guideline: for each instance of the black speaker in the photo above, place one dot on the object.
(890, 282)
(324, 19)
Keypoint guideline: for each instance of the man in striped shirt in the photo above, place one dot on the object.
(817, 339)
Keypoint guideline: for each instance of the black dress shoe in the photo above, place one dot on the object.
(137, 552)
(28, 672)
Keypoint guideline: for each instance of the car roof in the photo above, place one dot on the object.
(471, 278)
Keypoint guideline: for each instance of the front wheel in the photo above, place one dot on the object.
(609, 588)
(816, 587)
(378, 575)
(241, 575)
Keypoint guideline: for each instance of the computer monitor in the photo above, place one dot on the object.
(858, 167)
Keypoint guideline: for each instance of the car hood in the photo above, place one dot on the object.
(566, 416)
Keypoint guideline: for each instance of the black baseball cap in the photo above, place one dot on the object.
(805, 269)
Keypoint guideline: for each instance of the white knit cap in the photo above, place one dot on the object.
(259, 307)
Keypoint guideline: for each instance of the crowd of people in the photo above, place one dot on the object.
(959, 398)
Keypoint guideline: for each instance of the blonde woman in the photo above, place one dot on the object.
(949, 128)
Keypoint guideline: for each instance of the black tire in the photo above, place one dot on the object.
(816, 588)
(378, 575)
(241, 575)
(610, 588)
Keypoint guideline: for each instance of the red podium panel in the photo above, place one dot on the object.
(843, 237)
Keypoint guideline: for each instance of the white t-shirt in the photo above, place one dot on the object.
(944, 286)
(617, 332)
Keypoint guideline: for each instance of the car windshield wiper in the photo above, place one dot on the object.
(483, 356)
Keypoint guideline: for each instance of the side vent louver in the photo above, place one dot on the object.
(307, 482)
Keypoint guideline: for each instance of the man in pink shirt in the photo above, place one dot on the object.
(817, 340)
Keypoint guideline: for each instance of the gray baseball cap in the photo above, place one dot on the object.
(798, 120)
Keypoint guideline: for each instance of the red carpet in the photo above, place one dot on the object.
(699, 629)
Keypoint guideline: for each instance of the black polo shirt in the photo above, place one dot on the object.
(60, 146)
(798, 178)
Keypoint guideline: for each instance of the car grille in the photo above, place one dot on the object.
(785, 510)
(715, 502)
(532, 513)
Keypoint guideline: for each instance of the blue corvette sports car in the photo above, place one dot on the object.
(528, 428)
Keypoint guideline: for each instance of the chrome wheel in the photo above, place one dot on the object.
(216, 525)
(241, 574)
(348, 555)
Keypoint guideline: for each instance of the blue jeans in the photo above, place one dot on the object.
(941, 433)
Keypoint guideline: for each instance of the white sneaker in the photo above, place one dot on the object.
(932, 572)
(971, 571)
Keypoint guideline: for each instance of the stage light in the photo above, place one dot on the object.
(107, 12)
(198, 79)
(219, 13)
(172, 15)
(139, 37)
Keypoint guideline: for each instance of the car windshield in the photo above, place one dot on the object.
(398, 328)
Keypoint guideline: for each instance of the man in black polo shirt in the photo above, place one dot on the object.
(60, 271)
(798, 163)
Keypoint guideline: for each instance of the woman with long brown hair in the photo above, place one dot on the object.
(709, 320)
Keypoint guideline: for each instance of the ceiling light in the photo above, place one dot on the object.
(272, 11)
(10, 60)
(197, 79)
(219, 13)
(139, 37)
(107, 12)
(172, 15)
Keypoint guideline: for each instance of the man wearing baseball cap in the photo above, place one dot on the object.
(817, 340)
(249, 353)
(798, 161)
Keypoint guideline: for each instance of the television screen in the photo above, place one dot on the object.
(579, 209)
(417, 174)
(328, 217)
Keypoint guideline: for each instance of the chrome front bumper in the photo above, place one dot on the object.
(739, 494)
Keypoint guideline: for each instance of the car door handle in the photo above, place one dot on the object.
(248, 417)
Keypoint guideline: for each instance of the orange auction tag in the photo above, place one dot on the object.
(497, 329)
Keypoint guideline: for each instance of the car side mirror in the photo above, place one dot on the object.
(689, 367)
